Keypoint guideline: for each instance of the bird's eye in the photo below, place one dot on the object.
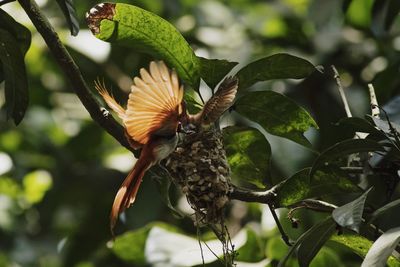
(205, 117)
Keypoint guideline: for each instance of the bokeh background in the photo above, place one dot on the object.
(59, 170)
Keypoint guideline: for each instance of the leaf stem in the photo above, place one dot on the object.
(284, 236)
(72, 72)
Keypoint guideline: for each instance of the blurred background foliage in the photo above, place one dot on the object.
(59, 171)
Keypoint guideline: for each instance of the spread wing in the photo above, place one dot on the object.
(220, 101)
(109, 99)
(154, 103)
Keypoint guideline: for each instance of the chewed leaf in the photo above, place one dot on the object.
(146, 32)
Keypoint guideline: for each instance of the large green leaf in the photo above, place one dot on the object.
(382, 210)
(350, 214)
(21, 34)
(249, 154)
(345, 148)
(323, 229)
(359, 125)
(382, 248)
(130, 246)
(277, 114)
(359, 245)
(278, 66)
(314, 242)
(146, 32)
(213, 70)
(68, 9)
(16, 83)
(324, 182)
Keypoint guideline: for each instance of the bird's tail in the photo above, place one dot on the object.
(127, 192)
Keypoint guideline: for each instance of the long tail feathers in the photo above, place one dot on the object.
(127, 192)
(101, 88)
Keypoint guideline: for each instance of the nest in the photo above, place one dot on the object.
(199, 166)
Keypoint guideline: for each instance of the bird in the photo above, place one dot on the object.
(154, 114)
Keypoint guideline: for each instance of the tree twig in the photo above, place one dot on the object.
(341, 92)
(284, 236)
(72, 72)
(375, 112)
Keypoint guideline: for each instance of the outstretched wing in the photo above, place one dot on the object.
(109, 99)
(220, 101)
(154, 103)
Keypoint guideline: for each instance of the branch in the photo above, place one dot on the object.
(72, 72)
(247, 195)
(341, 91)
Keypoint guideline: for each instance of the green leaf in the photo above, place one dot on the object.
(382, 248)
(163, 182)
(359, 245)
(249, 154)
(324, 182)
(383, 210)
(359, 125)
(392, 12)
(20, 33)
(314, 241)
(277, 114)
(130, 245)
(146, 32)
(16, 83)
(252, 250)
(278, 66)
(345, 148)
(350, 214)
(68, 9)
(213, 70)
(323, 228)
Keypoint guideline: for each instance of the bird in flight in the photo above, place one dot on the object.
(155, 113)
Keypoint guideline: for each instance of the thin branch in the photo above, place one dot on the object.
(284, 236)
(375, 112)
(72, 72)
(341, 91)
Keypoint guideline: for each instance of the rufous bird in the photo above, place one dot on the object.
(154, 114)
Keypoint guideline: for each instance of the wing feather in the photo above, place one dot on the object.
(220, 101)
(155, 97)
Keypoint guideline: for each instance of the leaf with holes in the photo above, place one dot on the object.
(350, 214)
(249, 154)
(68, 9)
(345, 148)
(277, 114)
(278, 66)
(16, 83)
(145, 32)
